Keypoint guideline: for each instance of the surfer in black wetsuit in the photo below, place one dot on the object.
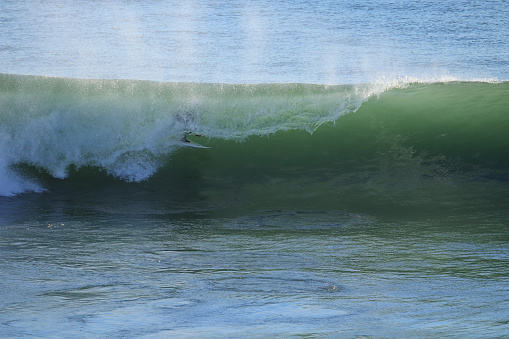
(184, 138)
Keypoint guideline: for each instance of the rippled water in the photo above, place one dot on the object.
(278, 273)
(256, 41)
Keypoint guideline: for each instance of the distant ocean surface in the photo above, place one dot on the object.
(254, 169)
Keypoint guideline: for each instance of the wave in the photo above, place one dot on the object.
(132, 129)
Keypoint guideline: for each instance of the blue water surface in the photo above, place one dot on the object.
(256, 41)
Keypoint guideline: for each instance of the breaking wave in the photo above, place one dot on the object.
(132, 129)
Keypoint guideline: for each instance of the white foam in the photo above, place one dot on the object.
(12, 183)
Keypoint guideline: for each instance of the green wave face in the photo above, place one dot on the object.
(425, 149)
(363, 147)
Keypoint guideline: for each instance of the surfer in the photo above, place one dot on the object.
(184, 138)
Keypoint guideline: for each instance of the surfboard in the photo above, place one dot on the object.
(192, 144)
(189, 142)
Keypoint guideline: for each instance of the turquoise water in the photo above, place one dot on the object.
(356, 180)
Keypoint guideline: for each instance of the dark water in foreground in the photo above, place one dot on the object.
(71, 272)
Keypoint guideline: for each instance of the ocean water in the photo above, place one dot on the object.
(346, 175)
